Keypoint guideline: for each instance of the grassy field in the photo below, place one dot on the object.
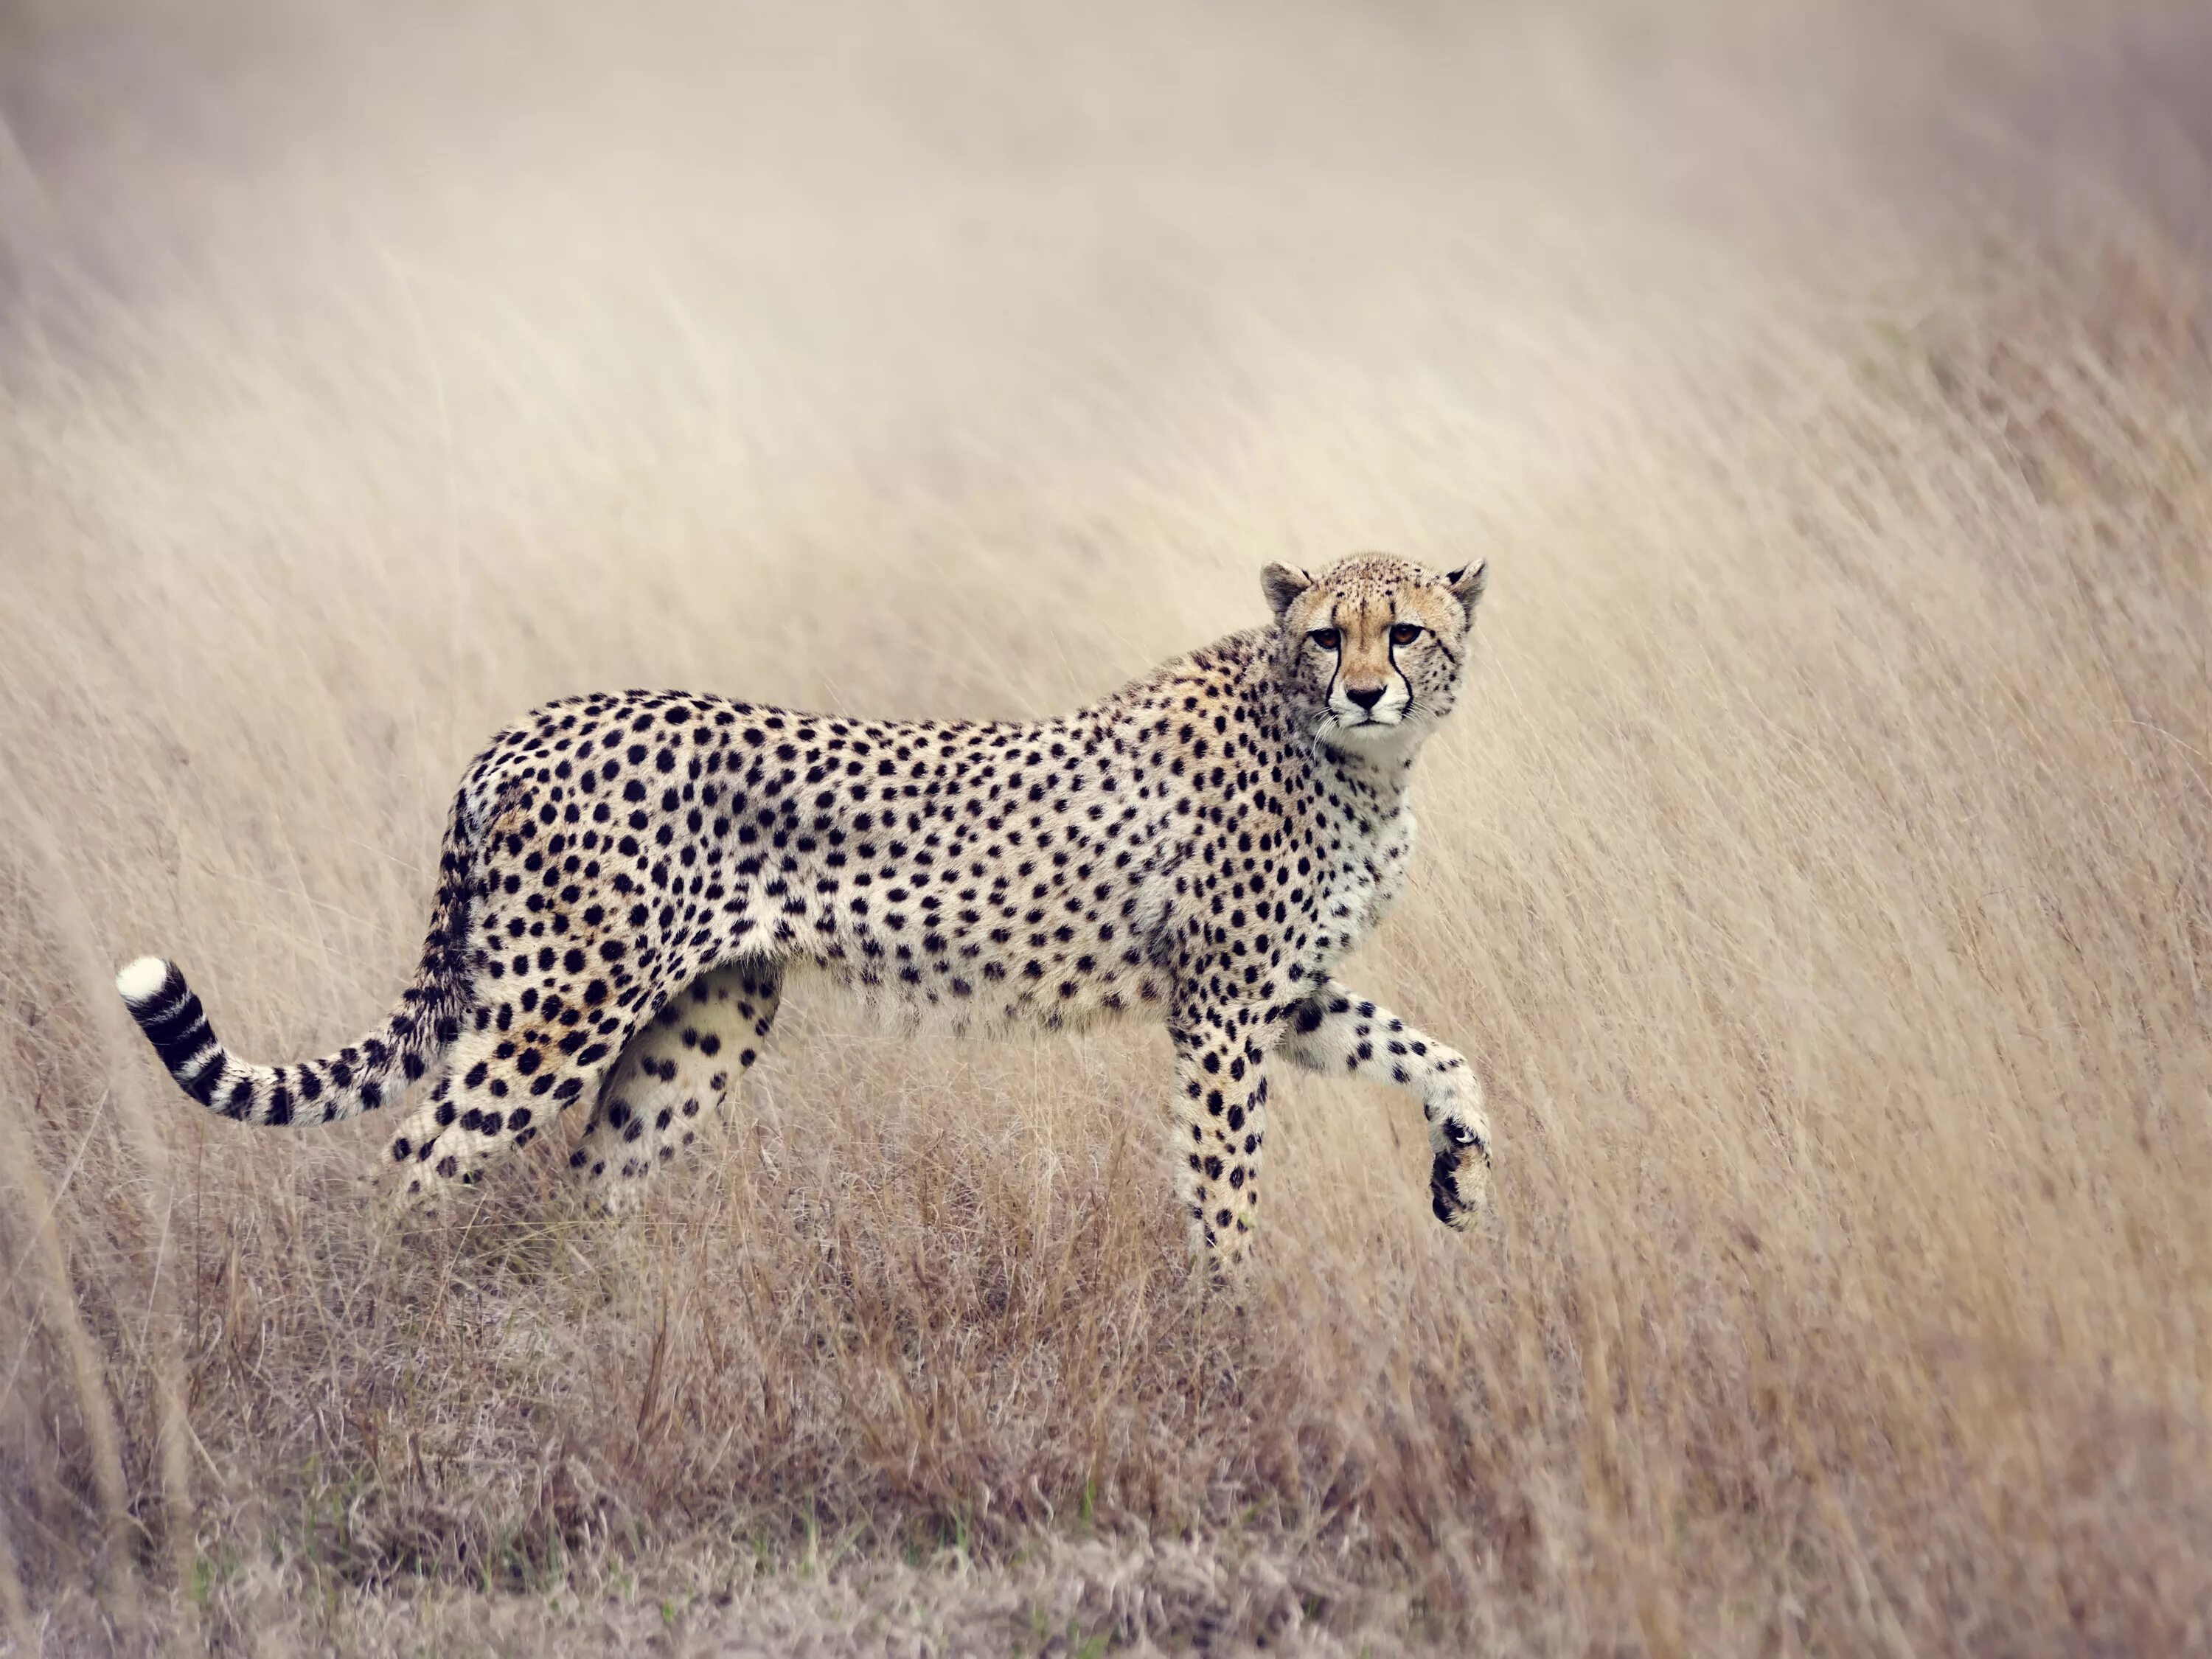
(1818, 867)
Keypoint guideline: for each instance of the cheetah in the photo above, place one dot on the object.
(629, 881)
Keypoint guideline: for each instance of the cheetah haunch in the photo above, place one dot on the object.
(628, 879)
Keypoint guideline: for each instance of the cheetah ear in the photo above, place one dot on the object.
(1281, 585)
(1466, 584)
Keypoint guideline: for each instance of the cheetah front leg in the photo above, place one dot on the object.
(674, 1072)
(1221, 1110)
(1338, 1032)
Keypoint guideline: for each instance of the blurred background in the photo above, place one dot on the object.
(1817, 866)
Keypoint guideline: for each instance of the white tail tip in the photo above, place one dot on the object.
(142, 979)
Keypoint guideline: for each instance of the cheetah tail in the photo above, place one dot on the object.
(355, 1079)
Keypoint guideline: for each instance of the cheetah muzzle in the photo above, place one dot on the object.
(629, 881)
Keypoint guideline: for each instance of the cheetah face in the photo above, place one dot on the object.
(1377, 645)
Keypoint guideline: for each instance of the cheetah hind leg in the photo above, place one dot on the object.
(675, 1071)
(491, 1098)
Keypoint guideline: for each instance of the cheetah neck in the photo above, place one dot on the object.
(1380, 775)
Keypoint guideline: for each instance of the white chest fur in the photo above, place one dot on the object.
(1369, 876)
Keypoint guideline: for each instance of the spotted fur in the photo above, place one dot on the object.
(628, 879)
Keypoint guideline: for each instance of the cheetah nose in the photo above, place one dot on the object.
(1365, 699)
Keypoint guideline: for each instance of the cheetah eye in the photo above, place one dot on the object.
(1404, 633)
(1327, 638)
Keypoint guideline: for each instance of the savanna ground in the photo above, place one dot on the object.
(1819, 867)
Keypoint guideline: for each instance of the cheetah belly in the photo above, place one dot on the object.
(1085, 982)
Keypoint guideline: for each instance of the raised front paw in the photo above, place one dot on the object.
(1459, 1168)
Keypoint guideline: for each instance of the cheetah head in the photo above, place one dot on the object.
(1373, 648)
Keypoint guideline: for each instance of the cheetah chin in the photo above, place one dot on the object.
(628, 880)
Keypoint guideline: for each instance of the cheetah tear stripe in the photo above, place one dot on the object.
(630, 882)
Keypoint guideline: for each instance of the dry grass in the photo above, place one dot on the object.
(1819, 870)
